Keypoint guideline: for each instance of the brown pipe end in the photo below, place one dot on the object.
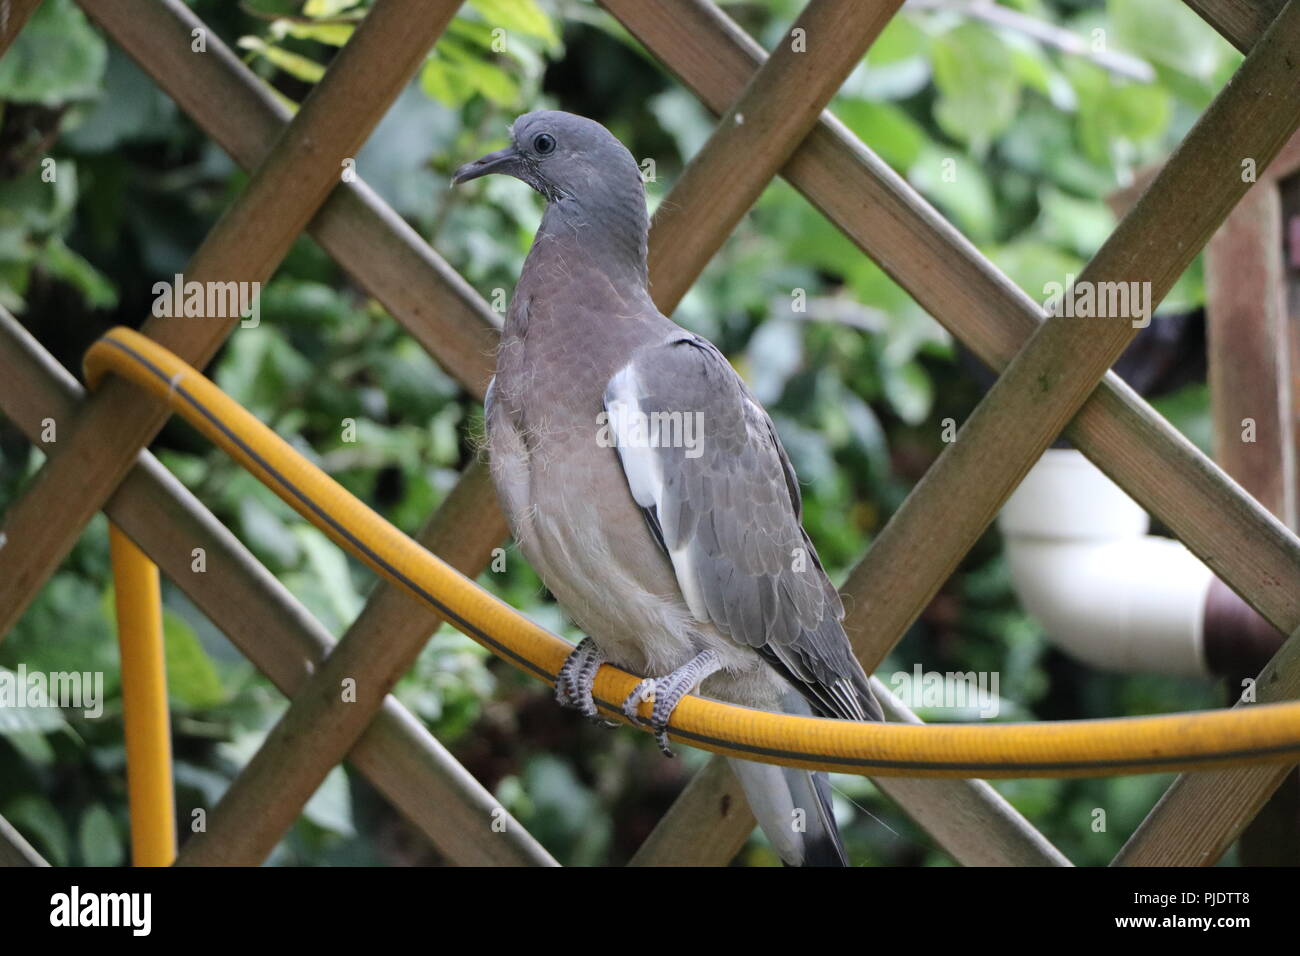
(1238, 639)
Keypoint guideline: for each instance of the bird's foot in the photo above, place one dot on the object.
(643, 691)
(573, 684)
(666, 693)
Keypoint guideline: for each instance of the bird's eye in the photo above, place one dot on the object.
(543, 143)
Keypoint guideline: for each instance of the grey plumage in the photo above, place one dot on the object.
(667, 551)
(729, 518)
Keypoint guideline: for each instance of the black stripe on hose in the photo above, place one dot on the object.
(1158, 764)
(684, 735)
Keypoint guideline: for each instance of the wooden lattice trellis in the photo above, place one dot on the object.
(1054, 378)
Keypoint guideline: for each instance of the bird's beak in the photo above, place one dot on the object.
(502, 161)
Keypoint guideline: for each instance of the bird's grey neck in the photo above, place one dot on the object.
(610, 237)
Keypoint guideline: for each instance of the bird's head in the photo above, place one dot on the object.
(563, 157)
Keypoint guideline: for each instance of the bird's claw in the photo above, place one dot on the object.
(666, 693)
(573, 684)
(645, 692)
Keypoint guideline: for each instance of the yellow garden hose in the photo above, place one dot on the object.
(1259, 733)
(144, 703)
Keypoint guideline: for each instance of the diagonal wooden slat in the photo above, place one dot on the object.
(246, 244)
(756, 135)
(14, 15)
(1240, 22)
(282, 639)
(379, 250)
(15, 850)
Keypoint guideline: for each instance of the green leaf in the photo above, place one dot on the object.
(267, 533)
(330, 807)
(191, 678)
(978, 95)
(518, 16)
(1034, 68)
(775, 353)
(909, 391)
(331, 34)
(901, 40)
(33, 746)
(485, 77)
(97, 838)
(884, 127)
(56, 58)
(295, 64)
(897, 65)
(1138, 112)
(14, 277)
(330, 567)
(1077, 224)
(865, 430)
(959, 187)
(18, 718)
(1032, 264)
(1115, 115)
(57, 260)
(33, 209)
(1042, 144)
(327, 8)
(444, 83)
(240, 370)
(66, 629)
(473, 32)
(1168, 33)
(261, 366)
(683, 118)
(1188, 410)
(131, 109)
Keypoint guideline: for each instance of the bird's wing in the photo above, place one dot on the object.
(704, 463)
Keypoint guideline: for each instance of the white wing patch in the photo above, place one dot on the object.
(645, 474)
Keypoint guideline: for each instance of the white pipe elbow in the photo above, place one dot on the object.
(1105, 591)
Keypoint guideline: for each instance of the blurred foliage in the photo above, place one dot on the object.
(1017, 142)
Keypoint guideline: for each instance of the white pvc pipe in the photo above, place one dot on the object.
(1104, 590)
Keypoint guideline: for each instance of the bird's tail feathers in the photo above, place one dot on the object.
(793, 807)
